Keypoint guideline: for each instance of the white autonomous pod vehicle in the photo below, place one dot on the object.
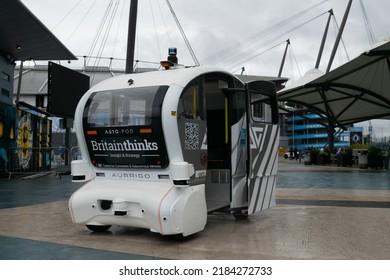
(161, 150)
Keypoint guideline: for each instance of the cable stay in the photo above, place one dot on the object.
(98, 44)
(240, 53)
(293, 60)
(100, 31)
(256, 55)
(115, 58)
(105, 36)
(241, 56)
(155, 28)
(165, 25)
(183, 34)
(342, 40)
(94, 52)
(233, 49)
(81, 21)
(66, 15)
(118, 28)
(369, 30)
(92, 45)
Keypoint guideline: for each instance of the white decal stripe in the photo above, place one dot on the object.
(264, 131)
(204, 142)
(272, 169)
(237, 152)
(268, 194)
(260, 197)
(273, 152)
(265, 159)
(252, 139)
(254, 196)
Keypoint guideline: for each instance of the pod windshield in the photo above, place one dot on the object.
(123, 128)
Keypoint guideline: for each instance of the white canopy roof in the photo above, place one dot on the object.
(356, 91)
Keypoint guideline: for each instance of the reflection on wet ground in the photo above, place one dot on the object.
(322, 212)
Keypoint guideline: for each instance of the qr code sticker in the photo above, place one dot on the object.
(191, 136)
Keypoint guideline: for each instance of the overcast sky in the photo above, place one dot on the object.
(228, 33)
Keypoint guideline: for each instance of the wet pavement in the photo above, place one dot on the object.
(322, 212)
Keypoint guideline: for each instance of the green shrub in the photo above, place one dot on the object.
(372, 150)
(359, 146)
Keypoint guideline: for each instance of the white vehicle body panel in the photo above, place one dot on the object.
(174, 195)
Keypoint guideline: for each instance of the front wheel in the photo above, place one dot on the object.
(96, 228)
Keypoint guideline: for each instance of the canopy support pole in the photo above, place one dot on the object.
(323, 40)
(19, 82)
(331, 135)
(338, 39)
(284, 58)
(131, 37)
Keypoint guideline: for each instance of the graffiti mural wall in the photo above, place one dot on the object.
(25, 141)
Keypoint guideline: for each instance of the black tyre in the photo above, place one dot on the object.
(98, 228)
(240, 216)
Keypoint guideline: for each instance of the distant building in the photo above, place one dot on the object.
(34, 83)
(306, 130)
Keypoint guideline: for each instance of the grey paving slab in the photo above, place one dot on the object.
(323, 212)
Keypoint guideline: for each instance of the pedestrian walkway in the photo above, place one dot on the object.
(322, 212)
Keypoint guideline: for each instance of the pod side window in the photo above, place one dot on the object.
(263, 101)
(191, 104)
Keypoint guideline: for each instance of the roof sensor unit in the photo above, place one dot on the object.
(171, 60)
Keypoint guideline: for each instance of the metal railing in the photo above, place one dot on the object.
(75, 153)
(36, 160)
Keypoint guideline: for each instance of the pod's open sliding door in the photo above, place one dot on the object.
(263, 134)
